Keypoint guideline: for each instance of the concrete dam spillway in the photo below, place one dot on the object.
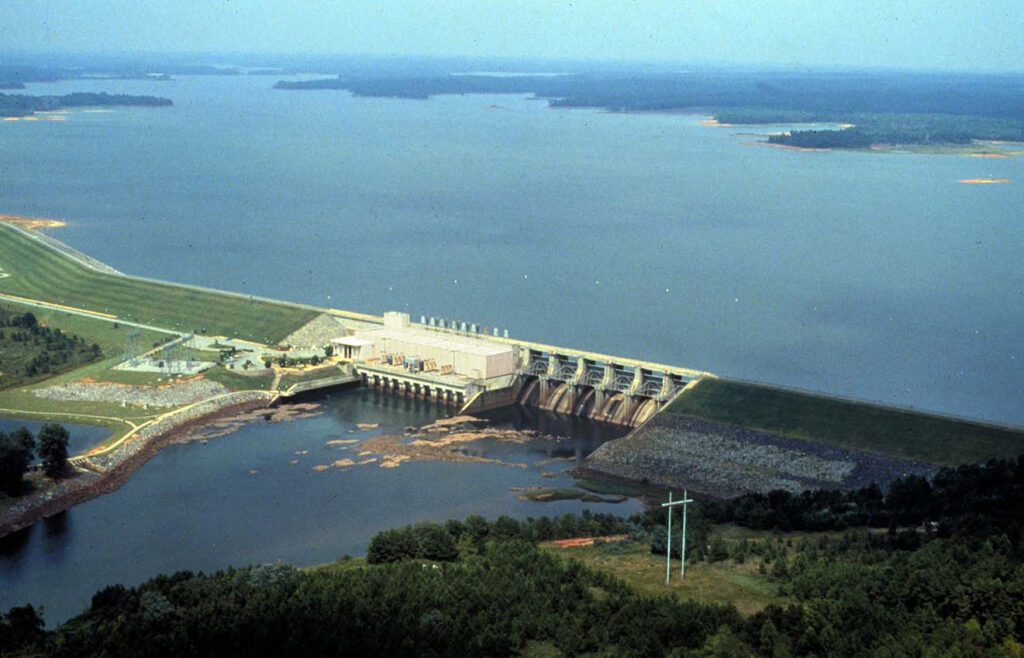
(475, 369)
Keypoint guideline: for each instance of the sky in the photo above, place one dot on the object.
(981, 35)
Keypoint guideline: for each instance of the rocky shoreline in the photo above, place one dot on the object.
(721, 460)
(119, 464)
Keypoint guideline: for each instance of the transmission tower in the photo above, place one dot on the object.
(131, 347)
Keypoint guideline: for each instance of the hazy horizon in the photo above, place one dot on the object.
(294, 61)
(941, 36)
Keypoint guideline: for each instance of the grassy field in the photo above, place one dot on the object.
(620, 487)
(37, 272)
(237, 382)
(719, 582)
(322, 372)
(43, 354)
(900, 433)
(105, 334)
(21, 403)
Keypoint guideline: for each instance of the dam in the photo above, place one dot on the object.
(303, 348)
(475, 369)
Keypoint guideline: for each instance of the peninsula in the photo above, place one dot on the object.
(22, 105)
(882, 108)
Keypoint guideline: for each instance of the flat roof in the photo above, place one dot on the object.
(352, 341)
(440, 340)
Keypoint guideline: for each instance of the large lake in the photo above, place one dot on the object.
(646, 235)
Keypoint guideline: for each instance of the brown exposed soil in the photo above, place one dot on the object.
(585, 541)
(443, 440)
(31, 223)
(227, 424)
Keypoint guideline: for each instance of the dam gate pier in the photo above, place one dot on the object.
(473, 368)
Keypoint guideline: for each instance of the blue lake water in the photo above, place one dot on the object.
(645, 235)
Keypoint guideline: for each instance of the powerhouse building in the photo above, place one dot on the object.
(464, 356)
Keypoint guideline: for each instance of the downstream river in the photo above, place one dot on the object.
(254, 496)
(876, 276)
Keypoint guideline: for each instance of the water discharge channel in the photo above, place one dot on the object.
(255, 496)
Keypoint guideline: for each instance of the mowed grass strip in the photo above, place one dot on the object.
(238, 382)
(720, 582)
(38, 272)
(906, 434)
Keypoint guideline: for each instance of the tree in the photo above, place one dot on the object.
(28, 320)
(392, 546)
(25, 439)
(53, 448)
(719, 549)
(725, 644)
(435, 543)
(21, 629)
(15, 457)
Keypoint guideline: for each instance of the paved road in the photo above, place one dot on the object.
(84, 313)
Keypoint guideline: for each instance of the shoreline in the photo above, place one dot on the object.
(984, 181)
(124, 461)
(788, 147)
(32, 223)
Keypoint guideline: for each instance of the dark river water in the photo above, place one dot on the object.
(239, 499)
(645, 235)
(81, 437)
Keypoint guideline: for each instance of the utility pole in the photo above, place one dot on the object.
(668, 550)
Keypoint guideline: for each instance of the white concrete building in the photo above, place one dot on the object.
(353, 348)
(476, 358)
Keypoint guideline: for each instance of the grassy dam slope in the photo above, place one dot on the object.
(39, 272)
(724, 438)
(902, 433)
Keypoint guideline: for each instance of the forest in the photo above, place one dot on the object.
(30, 350)
(886, 129)
(941, 575)
(19, 105)
(886, 107)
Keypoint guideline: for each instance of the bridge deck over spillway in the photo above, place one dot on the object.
(561, 379)
(542, 347)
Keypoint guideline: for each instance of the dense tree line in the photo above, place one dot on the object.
(29, 349)
(487, 604)
(886, 108)
(19, 448)
(433, 541)
(973, 499)
(735, 91)
(13, 105)
(864, 137)
(941, 574)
